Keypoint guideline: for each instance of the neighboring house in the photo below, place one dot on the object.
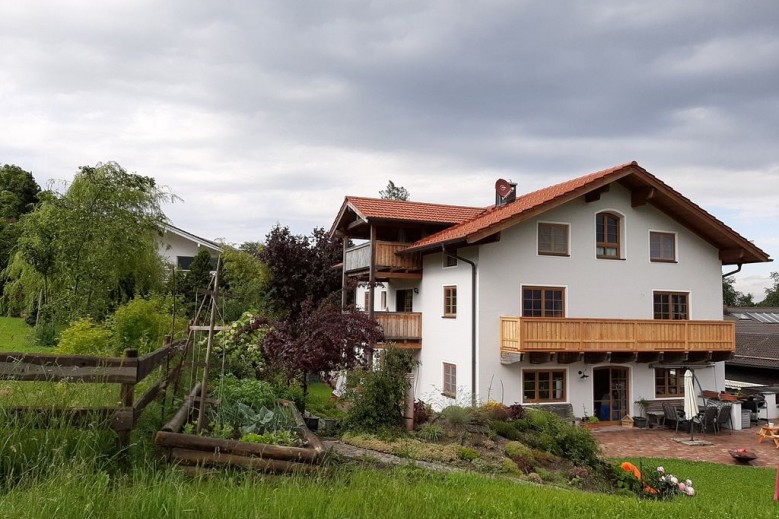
(756, 360)
(595, 292)
(179, 248)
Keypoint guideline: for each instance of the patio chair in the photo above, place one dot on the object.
(709, 419)
(723, 417)
(674, 417)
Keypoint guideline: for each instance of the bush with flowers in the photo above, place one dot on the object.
(656, 484)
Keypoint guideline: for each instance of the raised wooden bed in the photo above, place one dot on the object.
(201, 451)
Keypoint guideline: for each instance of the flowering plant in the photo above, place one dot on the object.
(658, 484)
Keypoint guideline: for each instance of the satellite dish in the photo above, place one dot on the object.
(502, 188)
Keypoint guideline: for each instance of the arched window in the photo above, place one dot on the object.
(607, 236)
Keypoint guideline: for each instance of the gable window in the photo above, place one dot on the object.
(671, 305)
(543, 385)
(450, 301)
(607, 238)
(669, 382)
(553, 239)
(662, 246)
(450, 380)
(449, 261)
(543, 302)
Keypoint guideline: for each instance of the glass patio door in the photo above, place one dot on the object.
(610, 393)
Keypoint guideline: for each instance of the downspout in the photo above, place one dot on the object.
(473, 319)
(734, 272)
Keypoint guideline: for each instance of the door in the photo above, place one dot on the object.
(610, 393)
(404, 300)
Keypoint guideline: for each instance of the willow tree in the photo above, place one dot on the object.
(87, 250)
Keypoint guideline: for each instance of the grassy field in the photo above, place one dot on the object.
(16, 335)
(349, 491)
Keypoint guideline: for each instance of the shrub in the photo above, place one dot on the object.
(431, 432)
(422, 412)
(504, 429)
(494, 411)
(141, 324)
(241, 346)
(466, 454)
(457, 416)
(376, 398)
(521, 455)
(509, 466)
(516, 411)
(545, 431)
(85, 337)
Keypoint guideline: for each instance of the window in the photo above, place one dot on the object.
(543, 385)
(450, 301)
(449, 261)
(662, 246)
(183, 262)
(384, 300)
(669, 382)
(671, 305)
(543, 302)
(450, 380)
(404, 300)
(367, 300)
(553, 239)
(607, 236)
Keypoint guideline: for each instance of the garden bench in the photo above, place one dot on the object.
(655, 409)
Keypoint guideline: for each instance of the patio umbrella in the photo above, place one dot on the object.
(690, 400)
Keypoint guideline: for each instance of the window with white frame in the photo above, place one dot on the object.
(450, 380)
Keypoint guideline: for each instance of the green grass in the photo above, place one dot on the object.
(319, 401)
(359, 492)
(18, 336)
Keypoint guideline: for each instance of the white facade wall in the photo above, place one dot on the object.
(445, 339)
(595, 288)
(172, 245)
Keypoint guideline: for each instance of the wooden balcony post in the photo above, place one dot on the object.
(371, 282)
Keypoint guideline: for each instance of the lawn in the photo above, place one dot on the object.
(16, 335)
(349, 491)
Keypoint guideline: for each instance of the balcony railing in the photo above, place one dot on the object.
(539, 334)
(359, 257)
(401, 327)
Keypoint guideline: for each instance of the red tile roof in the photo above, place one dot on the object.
(379, 209)
(494, 216)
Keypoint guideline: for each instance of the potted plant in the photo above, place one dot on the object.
(589, 422)
(641, 421)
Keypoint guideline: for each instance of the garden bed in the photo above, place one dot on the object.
(201, 450)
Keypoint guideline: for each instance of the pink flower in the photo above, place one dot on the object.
(661, 470)
(690, 491)
(688, 482)
(673, 480)
(682, 487)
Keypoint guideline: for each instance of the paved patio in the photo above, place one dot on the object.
(618, 442)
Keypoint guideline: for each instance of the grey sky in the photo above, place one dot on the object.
(263, 112)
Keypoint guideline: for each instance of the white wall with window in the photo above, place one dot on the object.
(622, 288)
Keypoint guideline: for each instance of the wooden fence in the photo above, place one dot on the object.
(127, 371)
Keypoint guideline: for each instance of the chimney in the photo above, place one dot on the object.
(505, 192)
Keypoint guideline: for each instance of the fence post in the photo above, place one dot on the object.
(126, 395)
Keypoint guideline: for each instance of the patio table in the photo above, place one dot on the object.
(767, 431)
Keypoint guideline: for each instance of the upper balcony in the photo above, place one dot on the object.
(636, 340)
(388, 262)
(402, 328)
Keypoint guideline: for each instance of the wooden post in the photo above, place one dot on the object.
(371, 284)
(212, 321)
(126, 395)
(343, 272)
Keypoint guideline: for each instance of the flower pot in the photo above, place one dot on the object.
(640, 422)
(312, 422)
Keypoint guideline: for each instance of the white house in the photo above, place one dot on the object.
(179, 247)
(595, 292)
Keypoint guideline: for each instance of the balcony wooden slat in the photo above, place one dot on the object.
(401, 327)
(359, 257)
(536, 334)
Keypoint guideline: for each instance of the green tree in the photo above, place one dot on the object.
(18, 195)
(393, 192)
(87, 250)
(732, 297)
(244, 277)
(772, 293)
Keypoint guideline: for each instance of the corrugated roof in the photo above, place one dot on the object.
(400, 210)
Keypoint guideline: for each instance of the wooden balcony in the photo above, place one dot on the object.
(404, 329)
(387, 260)
(643, 338)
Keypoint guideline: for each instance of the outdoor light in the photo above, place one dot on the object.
(583, 375)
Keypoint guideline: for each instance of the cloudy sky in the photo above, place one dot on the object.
(261, 112)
